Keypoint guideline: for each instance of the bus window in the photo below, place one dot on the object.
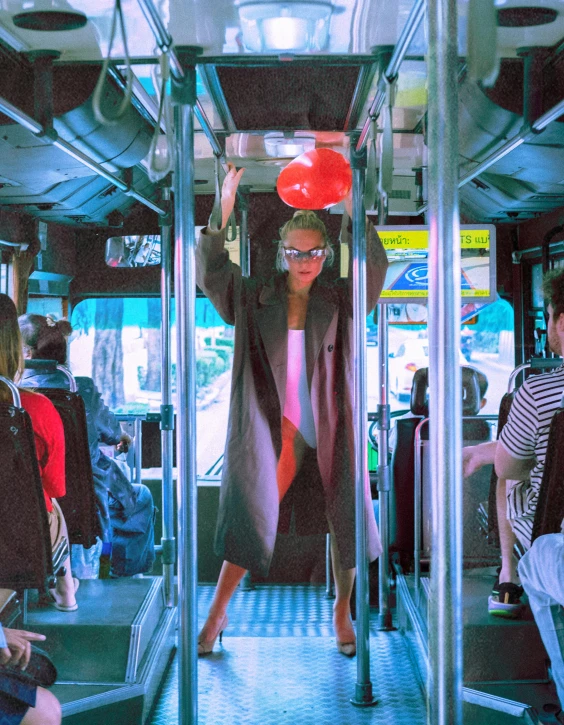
(116, 341)
(536, 287)
(487, 345)
(45, 306)
(6, 279)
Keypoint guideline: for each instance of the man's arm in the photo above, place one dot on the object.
(509, 467)
(474, 457)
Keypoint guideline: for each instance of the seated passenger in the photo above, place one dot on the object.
(49, 445)
(520, 453)
(542, 574)
(126, 510)
(22, 703)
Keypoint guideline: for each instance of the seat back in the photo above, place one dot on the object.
(25, 545)
(403, 457)
(79, 503)
(548, 518)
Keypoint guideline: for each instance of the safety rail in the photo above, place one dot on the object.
(535, 363)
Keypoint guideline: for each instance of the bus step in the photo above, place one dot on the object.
(105, 640)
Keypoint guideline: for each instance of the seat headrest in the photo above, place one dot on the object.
(471, 397)
(42, 366)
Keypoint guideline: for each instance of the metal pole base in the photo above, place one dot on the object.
(363, 696)
(246, 584)
(385, 622)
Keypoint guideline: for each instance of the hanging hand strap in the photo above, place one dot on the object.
(97, 97)
(216, 216)
(161, 161)
(370, 190)
(386, 176)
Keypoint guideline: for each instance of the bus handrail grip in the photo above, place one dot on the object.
(70, 377)
(13, 389)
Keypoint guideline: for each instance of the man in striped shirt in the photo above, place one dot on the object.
(520, 454)
(542, 567)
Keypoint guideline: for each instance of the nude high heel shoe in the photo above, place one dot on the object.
(347, 648)
(205, 646)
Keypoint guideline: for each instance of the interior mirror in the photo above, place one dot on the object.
(142, 250)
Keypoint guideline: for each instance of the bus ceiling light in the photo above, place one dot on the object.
(49, 16)
(294, 25)
(278, 145)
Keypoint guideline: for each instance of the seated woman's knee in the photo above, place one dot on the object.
(47, 710)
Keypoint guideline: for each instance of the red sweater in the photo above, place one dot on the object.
(49, 444)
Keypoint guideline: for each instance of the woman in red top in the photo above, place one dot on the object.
(49, 444)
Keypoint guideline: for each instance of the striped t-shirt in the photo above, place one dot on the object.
(524, 436)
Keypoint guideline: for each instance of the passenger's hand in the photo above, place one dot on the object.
(229, 192)
(124, 443)
(349, 203)
(471, 461)
(19, 646)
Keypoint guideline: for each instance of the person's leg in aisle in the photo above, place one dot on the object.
(542, 574)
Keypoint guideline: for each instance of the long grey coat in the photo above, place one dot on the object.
(249, 514)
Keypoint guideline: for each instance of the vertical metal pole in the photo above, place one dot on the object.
(329, 594)
(363, 690)
(246, 582)
(168, 542)
(383, 410)
(243, 199)
(184, 95)
(417, 509)
(138, 428)
(445, 632)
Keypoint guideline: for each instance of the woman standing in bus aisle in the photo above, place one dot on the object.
(291, 408)
(126, 511)
(49, 444)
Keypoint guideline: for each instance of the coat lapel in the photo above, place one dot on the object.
(320, 311)
(272, 321)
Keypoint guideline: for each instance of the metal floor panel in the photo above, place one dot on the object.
(278, 665)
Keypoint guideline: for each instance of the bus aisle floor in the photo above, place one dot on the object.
(278, 664)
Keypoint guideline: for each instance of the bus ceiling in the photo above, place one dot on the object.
(307, 80)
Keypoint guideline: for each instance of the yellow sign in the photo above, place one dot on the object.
(419, 239)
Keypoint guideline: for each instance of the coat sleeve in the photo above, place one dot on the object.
(376, 265)
(216, 275)
(107, 425)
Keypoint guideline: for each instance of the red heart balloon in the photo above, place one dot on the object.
(315, 180)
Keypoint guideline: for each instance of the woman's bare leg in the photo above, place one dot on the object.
(291, 458)
(344, 582)
(229, 578)
(64, 591)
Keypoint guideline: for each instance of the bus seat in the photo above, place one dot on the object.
(25, 545)
(492, 527)
(403, 460)
(79, 503)
(548, 518)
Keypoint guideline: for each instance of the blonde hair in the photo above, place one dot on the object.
(303, 220)
(11, 352)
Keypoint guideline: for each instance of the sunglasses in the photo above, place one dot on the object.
(296, 255)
